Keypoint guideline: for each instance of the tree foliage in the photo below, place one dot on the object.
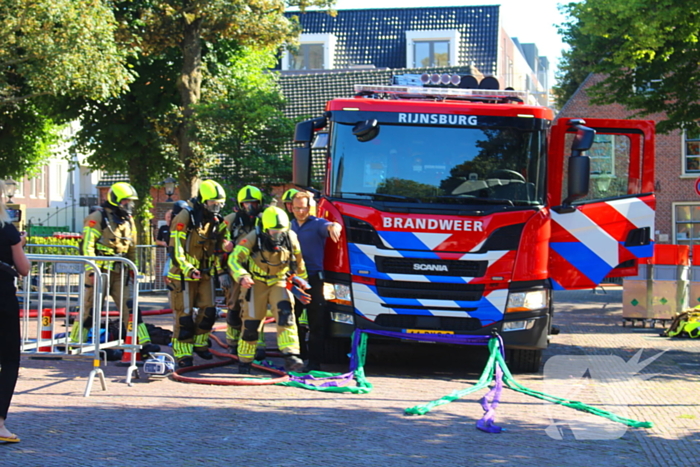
(132, 133)
(26, 139)
(647, 50)
(50, 49)
(193, 27)
(59, 47)
(242, 120)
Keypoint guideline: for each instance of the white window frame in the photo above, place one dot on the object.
(684, 152)
(327, 40)
(674, 221)
(451, 35)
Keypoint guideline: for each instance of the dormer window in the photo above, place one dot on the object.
(426, 49)
(315, 52)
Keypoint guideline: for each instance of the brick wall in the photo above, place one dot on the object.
(671, 185)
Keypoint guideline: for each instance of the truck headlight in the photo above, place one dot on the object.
(339, 293)
(527, 301)
(520, 325)
(344, 318)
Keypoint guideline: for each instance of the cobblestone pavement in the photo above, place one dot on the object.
(163, 422)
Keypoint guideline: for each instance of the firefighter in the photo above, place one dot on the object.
(287, 200)
(273, 258)
(238, 225)
(111, 231)
(196, 245)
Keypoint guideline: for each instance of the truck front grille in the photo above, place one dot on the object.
(429, 290)
(431, 267)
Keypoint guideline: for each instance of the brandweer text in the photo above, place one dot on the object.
(433, 224)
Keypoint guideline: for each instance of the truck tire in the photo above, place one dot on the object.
(336, 350)
(524, 360)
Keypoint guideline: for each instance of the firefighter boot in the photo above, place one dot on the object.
(260, 352)
(245, 368)
(185, 362)
(293, 363)
(201, 346)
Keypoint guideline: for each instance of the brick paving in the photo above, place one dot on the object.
(164, 422)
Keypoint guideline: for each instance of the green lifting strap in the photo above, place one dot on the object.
(487, 376)
(302, 380)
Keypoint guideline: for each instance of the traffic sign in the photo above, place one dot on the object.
(697, 186)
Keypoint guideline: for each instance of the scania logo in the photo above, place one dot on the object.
(430, 267)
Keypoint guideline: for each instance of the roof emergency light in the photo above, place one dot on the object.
(415, 91)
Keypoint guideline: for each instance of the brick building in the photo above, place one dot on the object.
(677, 169)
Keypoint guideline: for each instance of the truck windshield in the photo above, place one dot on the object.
(428, 164)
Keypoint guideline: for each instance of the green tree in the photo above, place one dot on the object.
(647, 50)
(59, 47)
(132, 133)
(26, 138)
(193, 27)
(243, 120)
(51, 48)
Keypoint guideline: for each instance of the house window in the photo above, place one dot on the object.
(692, 150)
(431, 54)
(426, 49)
(308, 57)
(686, 218)
(315, 52)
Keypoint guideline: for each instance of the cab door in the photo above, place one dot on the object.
(607, 232)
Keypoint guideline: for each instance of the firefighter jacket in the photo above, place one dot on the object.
(237, 226)
(109, 232)
(195, 244)
(266, 266)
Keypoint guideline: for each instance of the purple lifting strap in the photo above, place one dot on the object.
(489, 403)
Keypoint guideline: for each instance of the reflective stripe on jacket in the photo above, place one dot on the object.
(269, 267)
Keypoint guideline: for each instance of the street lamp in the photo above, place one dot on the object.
(10, 189)
(169, 186)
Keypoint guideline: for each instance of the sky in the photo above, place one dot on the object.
(530, 21)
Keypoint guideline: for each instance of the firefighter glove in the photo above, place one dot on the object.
(299, 282)
(300, 295)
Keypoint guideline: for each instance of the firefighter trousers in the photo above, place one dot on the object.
(234, 321)
(254, 311)
(194, 315)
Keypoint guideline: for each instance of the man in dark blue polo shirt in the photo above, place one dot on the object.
(312, 233)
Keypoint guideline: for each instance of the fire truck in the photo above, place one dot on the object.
(465, 206)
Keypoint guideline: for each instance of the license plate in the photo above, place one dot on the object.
(426, 331)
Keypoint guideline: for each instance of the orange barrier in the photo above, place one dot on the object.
(671, 255)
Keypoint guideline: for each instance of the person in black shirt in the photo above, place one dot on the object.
(163, 235)
(163, 238)
(15, 262)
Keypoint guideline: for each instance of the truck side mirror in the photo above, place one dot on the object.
(366, 131)
(579, 164)
(304, 131)
(301, 157)
(301, 167)
(584, 137)
(579, 178)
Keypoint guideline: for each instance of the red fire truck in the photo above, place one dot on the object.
(463, 209)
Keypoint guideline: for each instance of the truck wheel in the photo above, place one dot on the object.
(336, 350)
(523, 360)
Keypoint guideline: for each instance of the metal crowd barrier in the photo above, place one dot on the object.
(61, 284)
(151, 259)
